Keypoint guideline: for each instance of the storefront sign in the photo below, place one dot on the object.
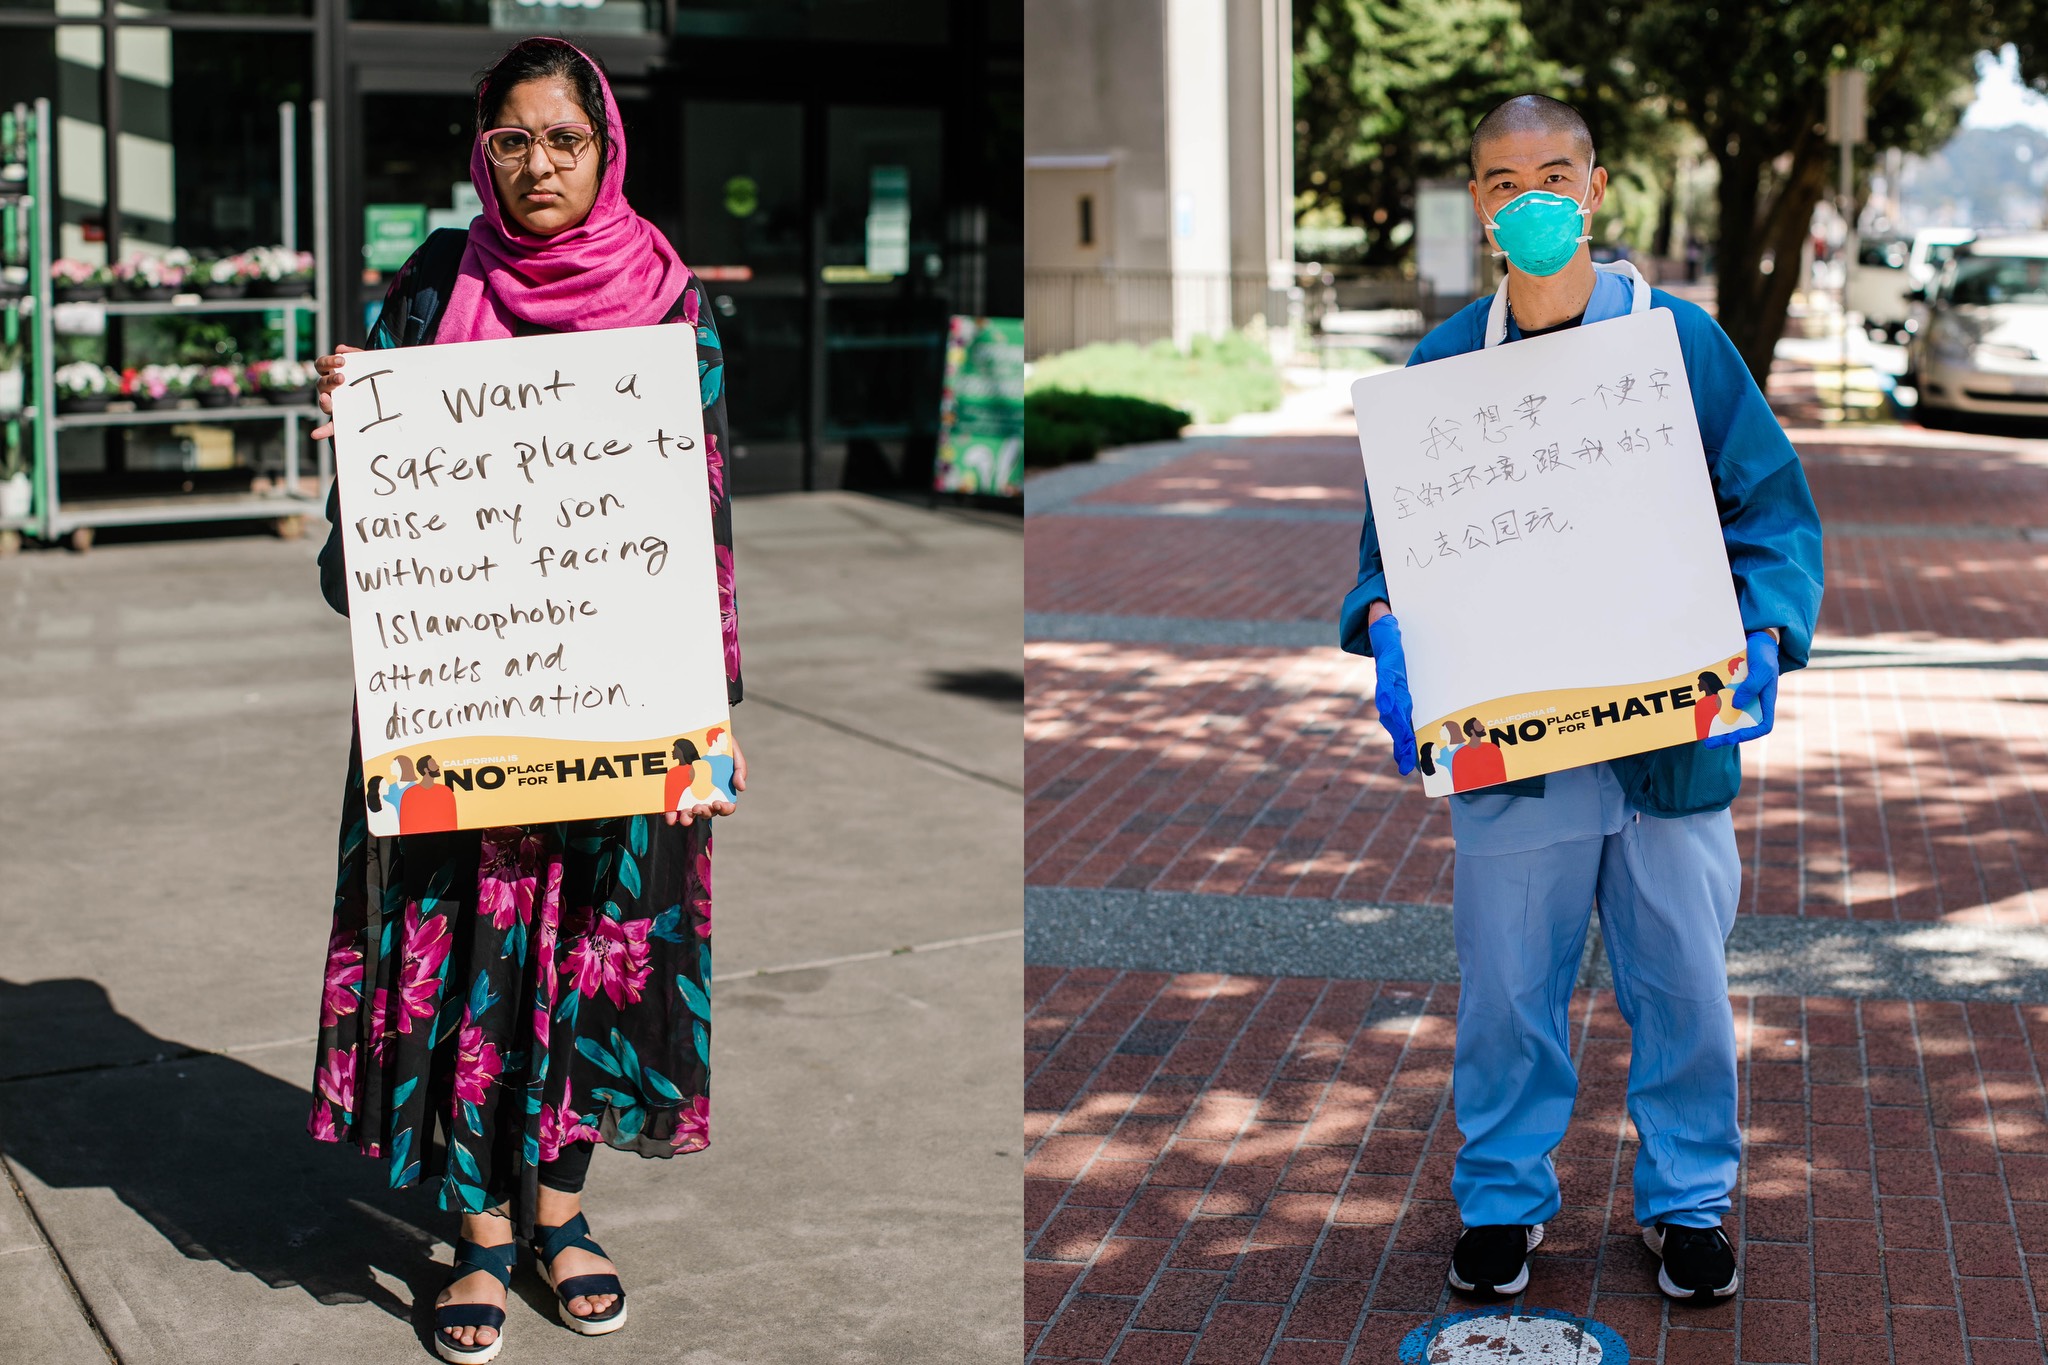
(1553, 552)
(532, 588)
(981, 411)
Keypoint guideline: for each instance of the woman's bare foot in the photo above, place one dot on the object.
(478, 1286)
(555, 1209)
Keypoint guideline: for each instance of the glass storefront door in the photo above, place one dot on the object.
(745, 231)
(883, 281)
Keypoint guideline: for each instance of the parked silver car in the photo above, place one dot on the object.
(1984, 348)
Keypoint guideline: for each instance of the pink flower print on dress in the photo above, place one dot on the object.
(714, 466)
(419, 971)
(336, 1079)
(728, 615)
(504, 885)
(380, 1033)
(559, 1127)
(548, 935)
(344, 977)
(693, 1126)
(321, 1122)
(704, 881)
(690, 306)
(477, 1063)
(610, 956)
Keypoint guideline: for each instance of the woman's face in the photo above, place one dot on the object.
(540, 197)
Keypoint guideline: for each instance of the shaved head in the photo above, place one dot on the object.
(1531, 114)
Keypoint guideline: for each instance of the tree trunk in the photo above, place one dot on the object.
(1751, 305)
(1667, 210)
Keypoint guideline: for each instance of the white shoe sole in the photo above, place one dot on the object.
(581, 1326)
(585, 1327)
(476, 1355)
(1654, 1240)
(1512, 1287)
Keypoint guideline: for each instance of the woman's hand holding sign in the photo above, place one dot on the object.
(329, 367)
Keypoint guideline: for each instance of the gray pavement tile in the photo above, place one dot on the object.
(1767, 954)
(173, 717)
(1056, 490)
(42, 1321)
(858, 1202)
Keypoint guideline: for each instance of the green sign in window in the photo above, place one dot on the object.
(981, 412)
(391, 233)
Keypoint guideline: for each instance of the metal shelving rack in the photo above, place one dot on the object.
(53, 518)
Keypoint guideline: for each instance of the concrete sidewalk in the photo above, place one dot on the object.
(173, 722)
(1238, 920)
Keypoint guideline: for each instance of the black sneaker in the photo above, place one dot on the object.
(1698, 1262)
(1494, 1259)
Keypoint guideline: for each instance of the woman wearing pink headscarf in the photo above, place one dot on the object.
(523, 994)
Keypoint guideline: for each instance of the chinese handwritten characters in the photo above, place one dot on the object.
(1466, 526)
(1545, 518)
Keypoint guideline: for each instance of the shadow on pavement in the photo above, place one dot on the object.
(211, 1151)
(1003, 686)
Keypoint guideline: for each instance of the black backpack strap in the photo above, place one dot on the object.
(412, 310)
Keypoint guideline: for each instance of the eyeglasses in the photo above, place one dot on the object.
(565, 144)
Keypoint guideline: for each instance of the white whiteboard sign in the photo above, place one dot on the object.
(533, 599)
(1549, 533)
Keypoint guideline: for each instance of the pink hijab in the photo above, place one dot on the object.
(614, 269)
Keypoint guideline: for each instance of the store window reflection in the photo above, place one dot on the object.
(844, 21)
(884, 268)
(528, 16)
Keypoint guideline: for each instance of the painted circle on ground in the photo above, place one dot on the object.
(1527, 1336)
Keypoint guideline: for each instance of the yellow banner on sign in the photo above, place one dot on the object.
(1546, 732)
(477, 782)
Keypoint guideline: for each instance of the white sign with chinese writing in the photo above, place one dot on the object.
(1548, 526)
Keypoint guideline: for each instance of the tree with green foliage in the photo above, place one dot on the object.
(1386, 94)
(1751, 76)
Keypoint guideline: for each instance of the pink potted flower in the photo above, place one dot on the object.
(141, 276)
(219, 387)
(78, 281)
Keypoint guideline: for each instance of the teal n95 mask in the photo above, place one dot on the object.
(1539, 231)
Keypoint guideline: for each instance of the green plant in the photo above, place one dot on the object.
(1062, 426)
(1215, 379)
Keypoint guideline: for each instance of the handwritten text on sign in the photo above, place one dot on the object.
(1551, 542)
(532, 585)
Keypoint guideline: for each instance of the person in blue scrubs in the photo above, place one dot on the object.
(1647, 839)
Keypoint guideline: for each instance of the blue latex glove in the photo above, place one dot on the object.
(1390, 692)
(1760, 681)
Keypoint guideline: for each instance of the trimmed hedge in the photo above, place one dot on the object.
(1062, 426)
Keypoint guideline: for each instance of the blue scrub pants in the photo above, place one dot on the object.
(1666, 892)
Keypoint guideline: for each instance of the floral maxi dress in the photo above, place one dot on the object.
(492, 995)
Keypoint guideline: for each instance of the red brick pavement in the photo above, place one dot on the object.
(1884, 793)
(1987, 590)
(1888, 792)
(1238, 1169)
(1858, 476)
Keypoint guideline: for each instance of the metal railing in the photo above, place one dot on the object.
(1064, 309)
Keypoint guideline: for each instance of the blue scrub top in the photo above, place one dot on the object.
(1768, 523)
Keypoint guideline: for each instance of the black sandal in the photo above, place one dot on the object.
(549, 1243)
(470, 1257)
